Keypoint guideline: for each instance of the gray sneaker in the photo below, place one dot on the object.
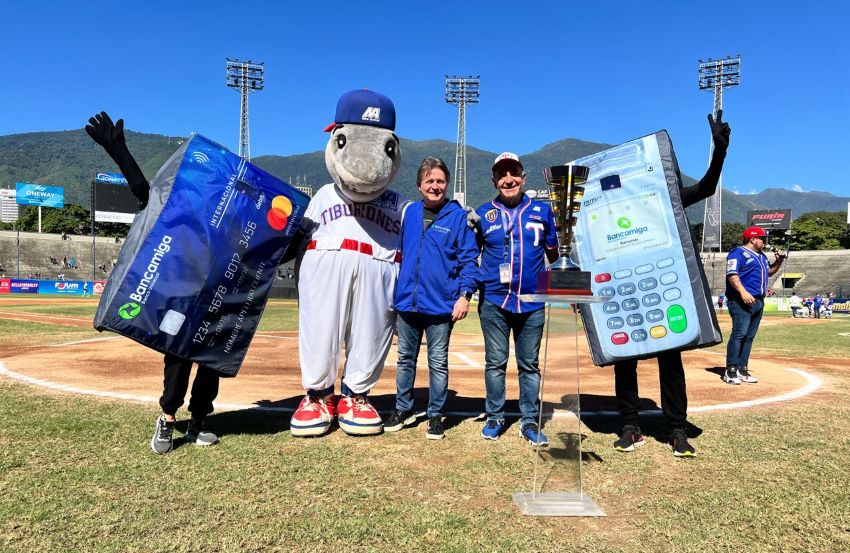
(199, 435)
(745, 376)
(162, 441)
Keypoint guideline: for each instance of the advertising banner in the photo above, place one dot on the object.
(194, 273)
(24, 286)
(5, 285)
(39, 194)
(98, 287)
(65, 287)
(841, 305)
(111, 178)
(768, 219)
(114, 202)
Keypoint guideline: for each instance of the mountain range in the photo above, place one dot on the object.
(70, 159)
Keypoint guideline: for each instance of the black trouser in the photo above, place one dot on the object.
(674, 396)
(176, 382)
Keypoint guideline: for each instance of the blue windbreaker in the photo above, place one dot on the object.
(438, 264)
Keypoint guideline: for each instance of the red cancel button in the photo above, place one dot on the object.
(619, 338)
(602, 277)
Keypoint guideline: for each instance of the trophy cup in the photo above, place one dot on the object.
(564, 276)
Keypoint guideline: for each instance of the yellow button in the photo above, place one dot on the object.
(658, 332)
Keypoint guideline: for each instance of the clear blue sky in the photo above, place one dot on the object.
(602, 71)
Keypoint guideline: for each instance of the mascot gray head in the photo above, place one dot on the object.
(363, 154)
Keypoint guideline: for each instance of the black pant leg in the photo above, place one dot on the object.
(674, 394)
(626, 388)
(175, 383)
(204, 392)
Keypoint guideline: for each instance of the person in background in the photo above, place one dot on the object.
(796, 304)
(436, 280)
(747, 274)
(817, 303)
(720, 299)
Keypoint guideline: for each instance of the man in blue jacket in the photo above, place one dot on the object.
(437, 277)
(517, 233)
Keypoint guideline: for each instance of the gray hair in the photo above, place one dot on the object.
(428, 164)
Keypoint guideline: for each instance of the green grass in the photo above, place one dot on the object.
(77, 474)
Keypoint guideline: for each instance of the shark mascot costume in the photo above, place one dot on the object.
(348, 270)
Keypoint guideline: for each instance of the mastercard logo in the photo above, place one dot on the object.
(279, 213)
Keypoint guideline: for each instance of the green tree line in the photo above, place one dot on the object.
(818, 230)
(71, 219)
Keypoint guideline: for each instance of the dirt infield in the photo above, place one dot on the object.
(270, 376)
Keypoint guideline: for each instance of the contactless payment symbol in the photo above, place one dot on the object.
(279, 213)
(624, 222)
(129, 310)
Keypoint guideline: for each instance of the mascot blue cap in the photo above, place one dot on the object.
(364, 107)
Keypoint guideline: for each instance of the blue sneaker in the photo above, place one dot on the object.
(493, 429)
(533, 435)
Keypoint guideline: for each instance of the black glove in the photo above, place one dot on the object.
(111, 137)
(720, 131)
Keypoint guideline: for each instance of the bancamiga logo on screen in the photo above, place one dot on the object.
(151, 273)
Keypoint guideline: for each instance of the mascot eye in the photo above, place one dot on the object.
(340, 141)
(390, 149)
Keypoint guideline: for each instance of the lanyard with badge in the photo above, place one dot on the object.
(508, 223)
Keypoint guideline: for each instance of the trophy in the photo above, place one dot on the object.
(564, 276)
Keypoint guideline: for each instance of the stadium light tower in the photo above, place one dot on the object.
(246, 77)
(461, 91)
(716, 75)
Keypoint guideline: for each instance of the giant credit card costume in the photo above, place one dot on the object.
(633, 236)
(193, 276)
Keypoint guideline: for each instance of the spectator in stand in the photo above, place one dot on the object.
(796, 304)
(816, 305)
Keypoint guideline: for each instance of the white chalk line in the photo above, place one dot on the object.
(812, 384)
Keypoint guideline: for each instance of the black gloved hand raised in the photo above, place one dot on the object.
(111, 137)
(104, 132)
(720, 131)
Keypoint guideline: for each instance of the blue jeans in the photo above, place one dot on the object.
(438, 330)
(745, 324)
(497, 324)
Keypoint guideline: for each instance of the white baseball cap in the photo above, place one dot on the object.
(507, 157)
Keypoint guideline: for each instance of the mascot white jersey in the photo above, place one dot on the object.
(348, 270)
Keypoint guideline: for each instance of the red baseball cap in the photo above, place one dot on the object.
(755, 232)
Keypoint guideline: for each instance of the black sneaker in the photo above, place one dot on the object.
(163, 436)
(630, 438)
(435, 429)
(398, 420)
(679, 445)
(198, 434)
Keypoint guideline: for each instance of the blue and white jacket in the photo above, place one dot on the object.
(438, 264)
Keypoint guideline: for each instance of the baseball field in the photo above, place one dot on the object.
(77, 472)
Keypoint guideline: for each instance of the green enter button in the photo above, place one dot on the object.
(676, 319)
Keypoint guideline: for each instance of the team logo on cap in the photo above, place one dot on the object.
(371, 114)
(490, 215)
(279, 213)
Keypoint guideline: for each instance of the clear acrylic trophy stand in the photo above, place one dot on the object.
(556, 488)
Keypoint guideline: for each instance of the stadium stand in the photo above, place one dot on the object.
(806, 272)
(43, 254)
